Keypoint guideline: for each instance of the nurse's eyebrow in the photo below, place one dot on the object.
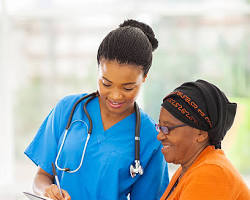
(129, 83)
(107, 79)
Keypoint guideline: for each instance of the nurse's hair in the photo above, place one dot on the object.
(132, 43)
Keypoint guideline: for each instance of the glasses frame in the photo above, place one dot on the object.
(166, 129)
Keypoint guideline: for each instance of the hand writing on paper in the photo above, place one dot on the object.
(53, 192)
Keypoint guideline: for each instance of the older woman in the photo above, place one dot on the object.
(193, 121)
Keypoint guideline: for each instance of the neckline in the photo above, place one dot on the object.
(116, 124)
(173, 187)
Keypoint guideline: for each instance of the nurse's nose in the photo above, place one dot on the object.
(116, 95)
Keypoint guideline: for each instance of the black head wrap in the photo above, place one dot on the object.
(202, 105)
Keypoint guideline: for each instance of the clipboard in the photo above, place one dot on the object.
(35, 197)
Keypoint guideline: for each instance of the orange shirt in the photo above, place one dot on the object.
(210, 177)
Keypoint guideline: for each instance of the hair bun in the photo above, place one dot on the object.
(146, 29)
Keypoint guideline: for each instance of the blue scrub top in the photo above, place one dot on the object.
(104, 173)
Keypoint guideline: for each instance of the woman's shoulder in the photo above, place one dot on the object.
(214, 175)
(215, 164)
(214, 157)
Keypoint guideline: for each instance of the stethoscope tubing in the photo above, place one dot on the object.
(83, 152)
(137, 132)
(74, 107)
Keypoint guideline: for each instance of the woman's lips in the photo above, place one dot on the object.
(114, 105)
(165, 147)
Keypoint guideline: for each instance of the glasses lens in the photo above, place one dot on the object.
(164, 129)
(159, 128)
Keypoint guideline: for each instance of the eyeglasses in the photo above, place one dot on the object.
(165, 129)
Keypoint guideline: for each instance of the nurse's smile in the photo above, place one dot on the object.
(114, 104)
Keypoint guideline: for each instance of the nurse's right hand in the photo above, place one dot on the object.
(53, 192)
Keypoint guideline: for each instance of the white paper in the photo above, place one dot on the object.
(32, 196)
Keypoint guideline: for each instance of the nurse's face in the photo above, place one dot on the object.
(179, 146)
(118, 86)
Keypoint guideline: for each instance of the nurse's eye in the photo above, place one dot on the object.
(106, 84)
(128, 89)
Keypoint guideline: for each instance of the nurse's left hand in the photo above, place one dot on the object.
(53, 192)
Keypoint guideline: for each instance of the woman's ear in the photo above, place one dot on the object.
(202, 136)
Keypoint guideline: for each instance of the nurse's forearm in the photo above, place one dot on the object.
(42, 181)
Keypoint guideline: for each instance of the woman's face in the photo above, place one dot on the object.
(179, 146)
(118, 86)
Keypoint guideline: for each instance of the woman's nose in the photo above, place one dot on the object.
(161, 136)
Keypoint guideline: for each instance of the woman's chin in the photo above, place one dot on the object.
(167, 154)
(168, 159)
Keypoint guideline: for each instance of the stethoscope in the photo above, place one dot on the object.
(134, 169)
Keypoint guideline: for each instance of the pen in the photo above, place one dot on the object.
(56, 178)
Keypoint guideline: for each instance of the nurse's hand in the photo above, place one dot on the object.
(53, 192)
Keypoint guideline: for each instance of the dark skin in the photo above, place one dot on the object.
(43, 185)
(182, 145)
(118, 87)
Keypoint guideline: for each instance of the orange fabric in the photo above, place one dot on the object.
(211, 177)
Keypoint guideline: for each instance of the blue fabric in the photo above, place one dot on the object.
(105, 170)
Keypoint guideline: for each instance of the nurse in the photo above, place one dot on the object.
(124, 59)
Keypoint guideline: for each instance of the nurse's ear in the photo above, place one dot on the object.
(144, 78)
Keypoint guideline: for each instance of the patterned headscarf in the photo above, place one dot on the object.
(202, 105)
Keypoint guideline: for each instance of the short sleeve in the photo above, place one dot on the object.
(42, 150)
(206, 183)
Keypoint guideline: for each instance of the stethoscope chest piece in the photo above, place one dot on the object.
(137, 169)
